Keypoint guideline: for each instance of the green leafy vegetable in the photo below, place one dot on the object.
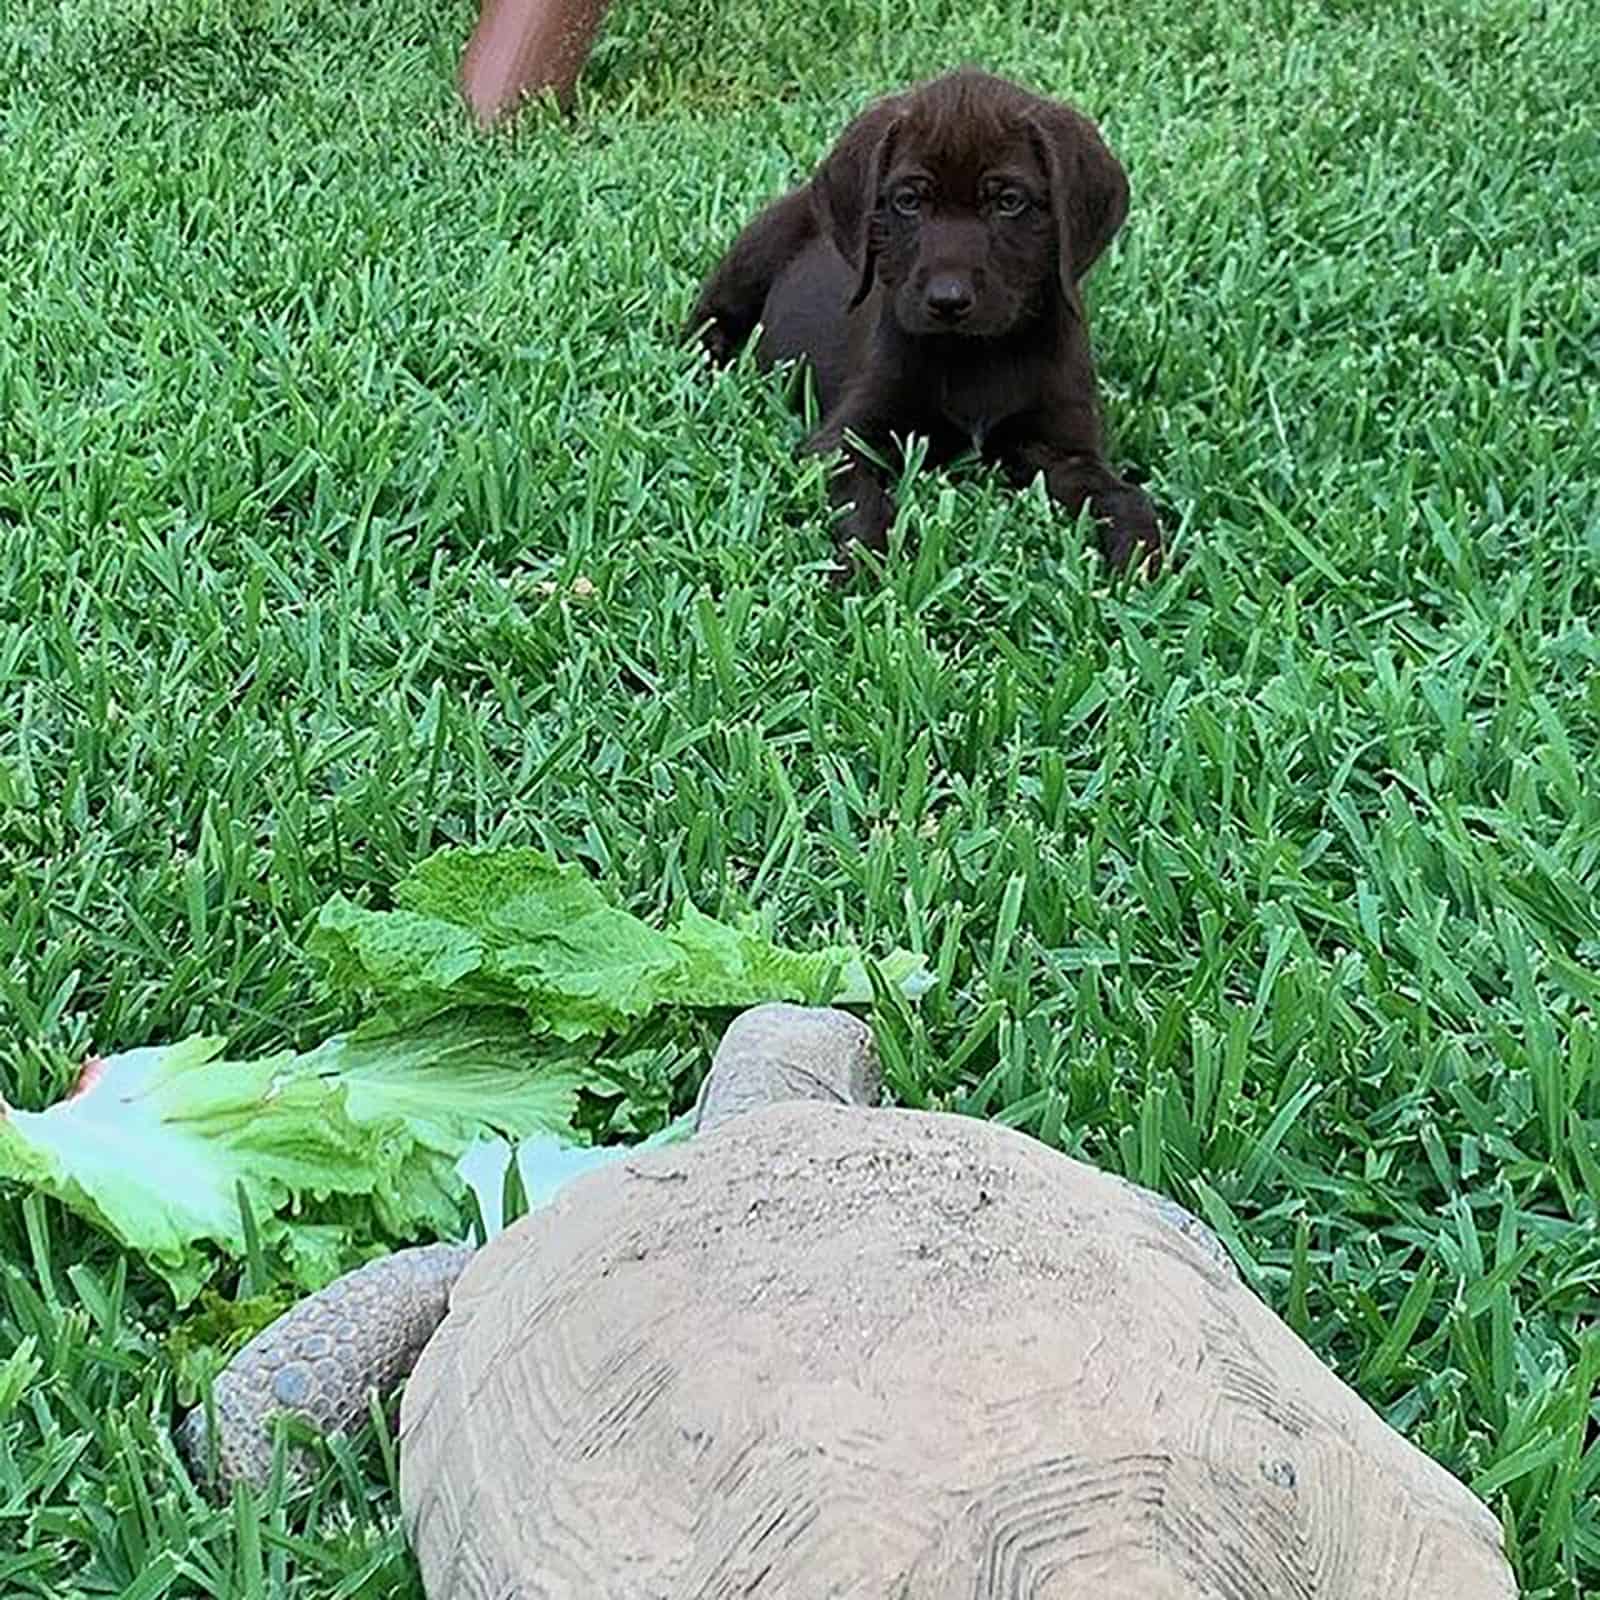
(516, 928)
(493, 982)
(155, 1145)
(545, 1162)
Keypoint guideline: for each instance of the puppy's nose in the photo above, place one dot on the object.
(949, 297)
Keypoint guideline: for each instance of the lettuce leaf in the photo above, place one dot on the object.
(513, 927)
(156, 1145)
(490, 985)
(545, 1164)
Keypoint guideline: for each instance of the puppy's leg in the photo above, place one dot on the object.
(731, 299)
(1076, 477)
(857, 483)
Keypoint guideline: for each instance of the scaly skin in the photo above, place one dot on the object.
(322, 1359)
(783, 1052)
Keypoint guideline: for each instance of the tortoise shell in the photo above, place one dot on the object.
(826, 1351)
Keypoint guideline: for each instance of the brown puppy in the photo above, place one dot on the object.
(929, 274)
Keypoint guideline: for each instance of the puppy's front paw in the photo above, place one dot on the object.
(717, 338)
(864, 526)
(1129, 526)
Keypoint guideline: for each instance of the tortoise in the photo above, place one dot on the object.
(828, 1347)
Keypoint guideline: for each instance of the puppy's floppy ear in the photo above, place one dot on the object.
(1088, 190)
(846, 187)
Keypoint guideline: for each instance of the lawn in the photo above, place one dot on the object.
(356, 499)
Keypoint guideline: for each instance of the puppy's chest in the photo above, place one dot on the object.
(977, 401)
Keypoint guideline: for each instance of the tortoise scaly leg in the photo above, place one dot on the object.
(322, 1359)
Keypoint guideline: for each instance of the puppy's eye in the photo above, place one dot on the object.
(907, 202)
(1010, 202)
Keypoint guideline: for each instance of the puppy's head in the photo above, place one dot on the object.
(971, 201)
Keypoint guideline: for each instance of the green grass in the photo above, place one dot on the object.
(1274, 884)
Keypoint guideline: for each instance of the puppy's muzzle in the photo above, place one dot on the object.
(949, 297)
